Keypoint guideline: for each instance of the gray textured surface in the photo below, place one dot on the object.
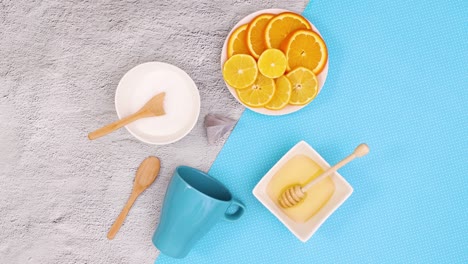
(60, 62)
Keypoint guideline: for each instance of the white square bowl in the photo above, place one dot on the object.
(304, 231)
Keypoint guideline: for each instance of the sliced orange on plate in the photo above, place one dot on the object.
(282, 94)
(255, 34)
(304, 86)
(240, 71)
(259, 93)
(237, 43)
(272, 63)
(305, 48)
(280, 26)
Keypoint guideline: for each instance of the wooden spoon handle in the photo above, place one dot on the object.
(121, 218)
(116, 125)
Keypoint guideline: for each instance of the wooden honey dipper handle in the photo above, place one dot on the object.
(360, 151)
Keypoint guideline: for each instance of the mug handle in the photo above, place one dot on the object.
(238, 213)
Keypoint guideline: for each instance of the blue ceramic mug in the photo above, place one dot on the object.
(193, 204)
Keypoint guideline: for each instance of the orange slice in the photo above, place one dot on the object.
(282, 94)
(280, 26)
(240, 71)
(256, 36)
(237, 42)
(272, 63)
(304, 86)
(305, 48)
(259, 93)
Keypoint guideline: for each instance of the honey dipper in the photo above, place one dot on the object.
(296, 193)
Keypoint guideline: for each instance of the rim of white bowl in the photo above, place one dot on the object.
(196, 100)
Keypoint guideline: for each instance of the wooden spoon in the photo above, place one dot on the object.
(294, 194)
(154, 107)
(145, 176)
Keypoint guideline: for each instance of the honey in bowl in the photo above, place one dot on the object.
(301, 169)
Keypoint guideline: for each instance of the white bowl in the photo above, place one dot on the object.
(303, 231)
(181, 103)
(261, 110)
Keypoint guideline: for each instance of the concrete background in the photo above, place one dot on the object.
(60, 62)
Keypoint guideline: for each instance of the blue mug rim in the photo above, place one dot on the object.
(207, 176)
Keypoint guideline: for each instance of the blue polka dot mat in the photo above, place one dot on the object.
(398, 81)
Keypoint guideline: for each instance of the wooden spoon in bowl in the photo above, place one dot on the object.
(145, 176)
(154, 107)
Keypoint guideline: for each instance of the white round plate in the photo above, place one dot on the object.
(181, 103)
(289, 108)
